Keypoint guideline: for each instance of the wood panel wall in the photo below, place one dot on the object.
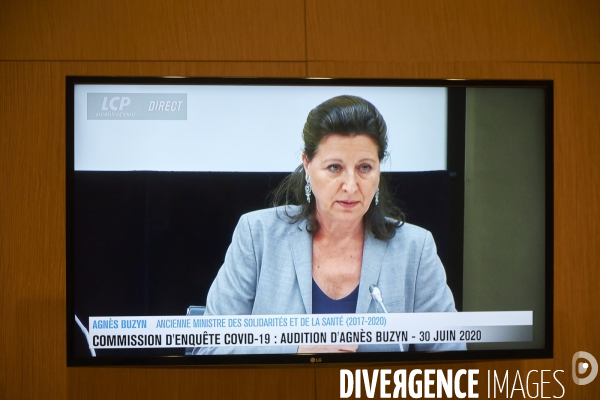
(42, 42)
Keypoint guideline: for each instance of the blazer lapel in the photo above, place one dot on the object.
(373, 252)
(301, 246)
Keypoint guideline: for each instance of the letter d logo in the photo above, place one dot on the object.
(582, 367)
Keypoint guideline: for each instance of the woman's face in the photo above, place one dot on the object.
(344, 175)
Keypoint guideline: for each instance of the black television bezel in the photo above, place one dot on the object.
(456, 153)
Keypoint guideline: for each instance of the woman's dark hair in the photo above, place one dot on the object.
(347, 116)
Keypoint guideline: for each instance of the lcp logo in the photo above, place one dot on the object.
(137, 106)
(112, 103)
(583, 366)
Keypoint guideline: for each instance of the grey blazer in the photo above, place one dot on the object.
(268, 270)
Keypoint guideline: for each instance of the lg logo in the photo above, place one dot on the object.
(582, 367)
(123, 102)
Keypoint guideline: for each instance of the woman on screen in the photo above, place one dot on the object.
(333, 234)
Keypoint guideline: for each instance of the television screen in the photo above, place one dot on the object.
(289, 221)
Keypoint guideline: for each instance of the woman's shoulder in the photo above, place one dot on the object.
(408, 231)
(273, 212)
(410, 239)
(281, 216)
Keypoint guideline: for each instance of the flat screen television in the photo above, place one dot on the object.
(161, 171)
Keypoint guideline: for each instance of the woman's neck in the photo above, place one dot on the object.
(339, 232)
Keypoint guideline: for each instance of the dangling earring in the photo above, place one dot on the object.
(307, 189)
(377, 196)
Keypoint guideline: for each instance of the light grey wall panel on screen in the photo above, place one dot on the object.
(504, 203)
